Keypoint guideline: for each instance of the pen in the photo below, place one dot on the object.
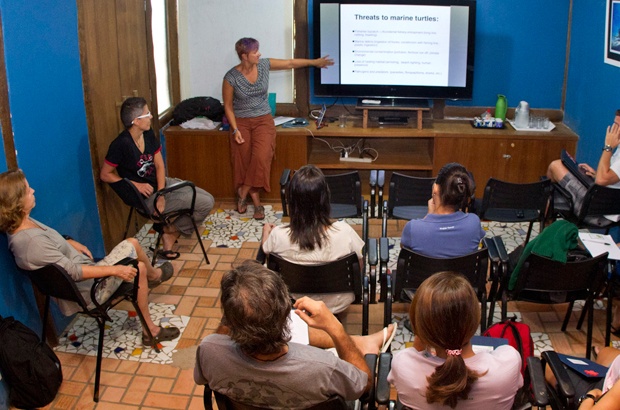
(601, 242)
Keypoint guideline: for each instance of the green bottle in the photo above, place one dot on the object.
(500, 107)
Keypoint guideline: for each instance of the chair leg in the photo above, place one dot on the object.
(529, 233)
(590, 302)
(101, 323)
(145, 328)
(609, 312)
(128, 223)
(483, 313)
(202, 246)
(46, 311)
(568, 312)
(157, 242)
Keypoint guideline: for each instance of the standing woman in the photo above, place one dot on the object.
(252, 130)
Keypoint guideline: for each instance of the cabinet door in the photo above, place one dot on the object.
(529, 159)
(483, 157)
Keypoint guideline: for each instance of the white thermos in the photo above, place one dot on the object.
(522, 115)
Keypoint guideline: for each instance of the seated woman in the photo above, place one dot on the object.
(441, 369)
(446, 231)
(311, 237)
(136, 155)
(35, 245)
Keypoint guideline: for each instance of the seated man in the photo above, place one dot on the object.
(250, 357)
(136, 155)
(606, 174)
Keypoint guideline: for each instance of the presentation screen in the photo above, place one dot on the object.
(409, 49)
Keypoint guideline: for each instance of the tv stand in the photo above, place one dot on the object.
(393, 104)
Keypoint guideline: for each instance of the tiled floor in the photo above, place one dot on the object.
(135, 383)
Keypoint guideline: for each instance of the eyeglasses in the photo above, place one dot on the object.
(147, 115)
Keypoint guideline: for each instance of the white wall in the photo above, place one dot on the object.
(208, 30)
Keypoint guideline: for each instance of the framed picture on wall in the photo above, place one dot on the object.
(612, 33)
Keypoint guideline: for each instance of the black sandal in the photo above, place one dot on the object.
(169, 254)
(165, 334)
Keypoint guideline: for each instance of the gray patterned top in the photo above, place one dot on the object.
(250, 99)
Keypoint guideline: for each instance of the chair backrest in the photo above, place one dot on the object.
(521, 202)
(54, 281)
(226, 403)
(600, 200)
(406, 190)
(413, 268)
(541, 274)
(345, 194)
(341, 275)
(129, 194)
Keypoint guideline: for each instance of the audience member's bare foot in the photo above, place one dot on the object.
(376, 342)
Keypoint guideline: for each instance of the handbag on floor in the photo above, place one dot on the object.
(29, 366)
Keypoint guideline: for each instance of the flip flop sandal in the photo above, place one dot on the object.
(259, 213)
(169, 254)
(166, 273)
(165, 334)
(387, 341)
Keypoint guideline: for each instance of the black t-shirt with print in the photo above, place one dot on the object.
(124, 155)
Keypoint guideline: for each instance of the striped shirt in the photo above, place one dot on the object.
(250, 100)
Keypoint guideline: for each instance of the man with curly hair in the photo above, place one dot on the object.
(251, 359)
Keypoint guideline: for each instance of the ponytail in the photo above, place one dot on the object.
(451, 382)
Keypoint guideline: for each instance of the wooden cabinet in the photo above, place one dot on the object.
(204, 156)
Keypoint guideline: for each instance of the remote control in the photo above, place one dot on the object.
(376, 102)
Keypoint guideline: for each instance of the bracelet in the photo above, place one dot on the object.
(607, 148)
(585, 397)
(237, 129)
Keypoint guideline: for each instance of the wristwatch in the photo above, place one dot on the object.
(585, 397)
(608, 148)
(237, 129)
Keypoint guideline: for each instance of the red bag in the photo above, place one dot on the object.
(518, 335)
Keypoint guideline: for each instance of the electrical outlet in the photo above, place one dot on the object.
(354, 159)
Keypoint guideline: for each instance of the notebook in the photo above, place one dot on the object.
(570, 163)
(583, 366)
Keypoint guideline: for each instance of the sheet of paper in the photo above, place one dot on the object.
(281, 120)
(598, 243)
(299, 329)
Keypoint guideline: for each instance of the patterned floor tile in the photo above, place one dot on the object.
(122, 336)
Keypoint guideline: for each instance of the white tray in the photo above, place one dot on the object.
(551, 127)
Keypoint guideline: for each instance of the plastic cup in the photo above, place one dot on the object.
(342, 120)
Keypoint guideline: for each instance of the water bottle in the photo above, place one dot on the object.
(522, 115)
(501, 106)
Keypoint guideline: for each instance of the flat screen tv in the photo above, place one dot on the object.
(395, 49)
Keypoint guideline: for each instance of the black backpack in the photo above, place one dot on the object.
(198, 107)
(29, 366)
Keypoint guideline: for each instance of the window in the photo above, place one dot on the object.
(161, 54)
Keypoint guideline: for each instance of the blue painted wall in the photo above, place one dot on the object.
(592, 88)
(520, 52)
(50, 135)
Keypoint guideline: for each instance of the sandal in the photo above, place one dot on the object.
(242, 204)
(169, 254)
(387, 341)
(166, 273)
(615, 331)
(165, 334)
(259, 213)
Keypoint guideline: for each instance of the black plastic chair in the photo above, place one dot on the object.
(345, 190)
(510, 202)
(377, 181)
(130, 195)
(333, 403)
(413, 268)
(561, 396)
(407, 198)
(599, 201)
(534, 384)
(543, 280)
(341, 275)
(54, 281)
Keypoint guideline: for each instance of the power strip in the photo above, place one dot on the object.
(354, 159)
